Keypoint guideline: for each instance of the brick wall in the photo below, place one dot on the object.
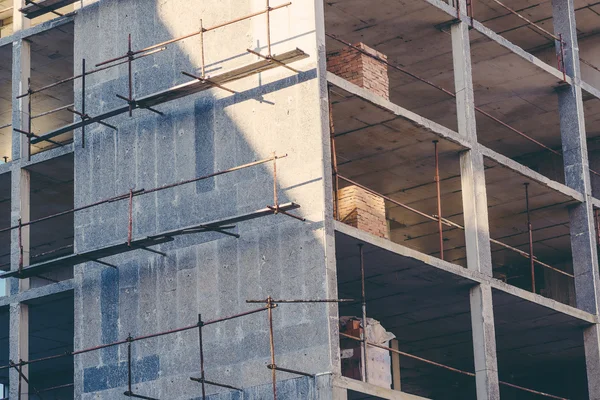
(361, 69)
(363, 210)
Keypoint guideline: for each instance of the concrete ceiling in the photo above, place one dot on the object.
(506, 86)
(428, 310)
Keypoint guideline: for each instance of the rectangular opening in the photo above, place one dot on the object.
(5, 103)
(407, 35)
(508, 193)
(587, 16)
(591, 106)
(528, 25)
(6, 18)
(425, 309)
(4, 350)
(51, 332)
(5, 237)
(386, 165)
(517, 108)
(51, 61)
(52, 193)
(538, 349)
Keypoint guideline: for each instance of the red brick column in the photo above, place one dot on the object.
(363, 210)
(361, 69)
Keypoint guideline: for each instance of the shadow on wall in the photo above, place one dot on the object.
(196, 136)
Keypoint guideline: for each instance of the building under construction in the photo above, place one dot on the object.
(272, 199)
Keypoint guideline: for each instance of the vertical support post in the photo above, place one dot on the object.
(201, 344)
(475, 209)
(270, 306)
(83, 114)
(268, 13)
(130, 223)
(530, 231)
(364, 313)
(202, 48)
(29, 127)
(334, 165)
(275, 195)
(577, 176)
(439, 198)
(396, 381)
(129, 67)
(129, 386)
(19, 312)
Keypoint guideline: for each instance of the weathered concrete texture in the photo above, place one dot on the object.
(209, 273)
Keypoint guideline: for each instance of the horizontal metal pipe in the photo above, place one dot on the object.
(536, 26)
(304, 301)
(447, 222)
(142, 191)
(448, 92)
(189, 35)
(460, 371)
(51, 111)
(72, 78)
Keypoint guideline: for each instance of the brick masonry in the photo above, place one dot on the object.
(361, 69)
(363, 210)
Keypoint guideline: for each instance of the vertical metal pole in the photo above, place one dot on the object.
(439, 198)
(334, 166)
(200, 341)
(562, 57)
(598, 228)
(530, 230)
(130, 226)
(364, 312)
(270, 306)
(202, 48)
(129, 339)
(129, 63)
(83, 102)
(20, 380)
(20, 245)
(29, 127)
(269, 26)
(275, 195)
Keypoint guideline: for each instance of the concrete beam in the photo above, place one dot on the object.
(19, 350)
(401, 112)
(531, 174)
(475, 276)
(34, 30)
(48, 155)
(42, 291)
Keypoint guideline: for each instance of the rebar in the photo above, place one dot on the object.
(530, 231)
(439, 198)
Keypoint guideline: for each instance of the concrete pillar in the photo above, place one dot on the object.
(477, 235)
(20, 205)
(577, 176)
(19, 20)
(21, 72)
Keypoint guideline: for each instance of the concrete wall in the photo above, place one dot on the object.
(277, 111)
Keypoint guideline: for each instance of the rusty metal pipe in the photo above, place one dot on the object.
(530, 231)
(364, 312)
(439, 198)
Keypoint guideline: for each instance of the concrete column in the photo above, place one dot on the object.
(21, 72)
(577, 176)
(19, 20)
(477, 235)
(19, 349)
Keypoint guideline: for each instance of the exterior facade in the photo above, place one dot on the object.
(236, 200)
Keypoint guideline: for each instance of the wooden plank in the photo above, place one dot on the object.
(182, 90)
